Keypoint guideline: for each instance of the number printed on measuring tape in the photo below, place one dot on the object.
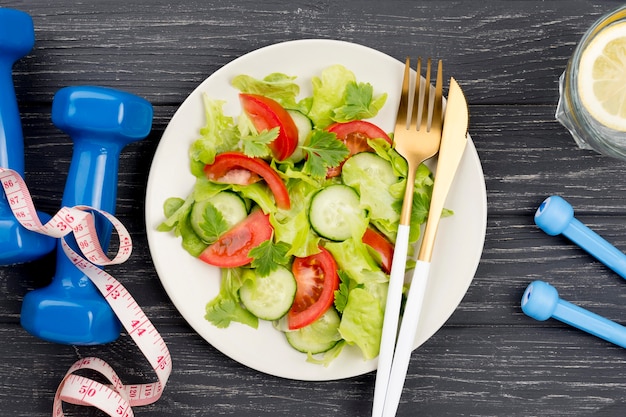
(115, 399)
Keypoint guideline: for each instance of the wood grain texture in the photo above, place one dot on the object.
(489, 359)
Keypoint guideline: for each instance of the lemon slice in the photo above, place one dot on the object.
(602, 77)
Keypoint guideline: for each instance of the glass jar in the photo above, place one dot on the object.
(588, 132)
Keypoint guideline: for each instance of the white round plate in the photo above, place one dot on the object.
(191, 283)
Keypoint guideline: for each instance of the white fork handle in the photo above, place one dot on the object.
(406, 338)
(391, 318)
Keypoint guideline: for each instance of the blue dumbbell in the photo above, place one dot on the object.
(541, 301)
(556, 216)
(100, 121)
(17, 38)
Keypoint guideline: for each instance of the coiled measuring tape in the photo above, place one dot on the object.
(115, 399)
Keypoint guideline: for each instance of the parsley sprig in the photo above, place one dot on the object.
(213, 223)
(360, 103)
(322, 152)
(268, 255)
(258, 145)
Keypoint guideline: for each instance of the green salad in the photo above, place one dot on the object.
(298, 201)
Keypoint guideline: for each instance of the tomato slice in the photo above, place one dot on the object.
(351, 132)
(267, 114)
(237, 168)
(232, 248)
(317, 280)
(354, 135)
(381, 245)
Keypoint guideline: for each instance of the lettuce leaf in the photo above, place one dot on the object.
(328, 356)
(373, 192)
(355, 260)
(219, 134)
(174, 209)
(226, 306)
(362, 322)
(328, 94)
(277, 86)
(204, 189)
(258, 192)
(337, 97)
(292, 226)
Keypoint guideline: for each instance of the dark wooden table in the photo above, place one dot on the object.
(489, 359)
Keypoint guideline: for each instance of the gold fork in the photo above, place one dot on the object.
(416, 143)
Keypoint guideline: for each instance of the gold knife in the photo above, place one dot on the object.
(453, 141)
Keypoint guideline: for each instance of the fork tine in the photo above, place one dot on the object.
(417, 100)
(426, 101)
(403, 107)
(437, 119)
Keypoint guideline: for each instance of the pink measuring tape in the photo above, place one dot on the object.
(115, 399)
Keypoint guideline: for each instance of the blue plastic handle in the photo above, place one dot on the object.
(101, 121)
(556, 216)
(541, 301)
(17, 38)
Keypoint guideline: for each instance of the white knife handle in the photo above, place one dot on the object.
(406, 338)
(391, 318)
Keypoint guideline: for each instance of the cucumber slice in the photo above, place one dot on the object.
(373, 165)
(230, 205)
(270, 297)
(305, 126)
(317, 337)
(334, 210)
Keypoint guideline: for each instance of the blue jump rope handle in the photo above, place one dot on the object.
(556, 216)
(100, 121)
(17, 38)
(541, 301)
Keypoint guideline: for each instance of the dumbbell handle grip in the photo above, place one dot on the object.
(591, 323)
(91, 181)
(556, 216)
(95, 163)
(597, 246)
(11, 139)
